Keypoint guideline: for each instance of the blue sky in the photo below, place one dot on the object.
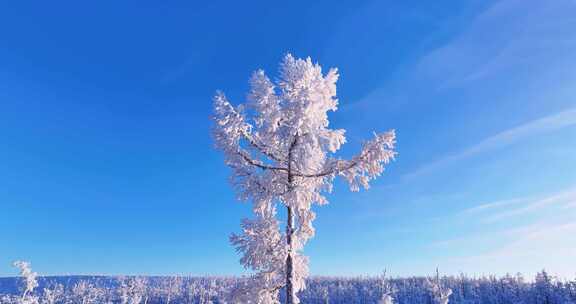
(107, 165)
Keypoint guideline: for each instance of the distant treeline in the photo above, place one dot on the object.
(543, 289)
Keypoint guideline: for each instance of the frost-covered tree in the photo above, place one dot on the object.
(30, 282)
(386, 299)
(171, 287)
(52, 295)
(132, 290)
(386, 290)
(281, 151)
(439, 294)
(85, 292)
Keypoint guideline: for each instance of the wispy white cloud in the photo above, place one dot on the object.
(564, 199)
(544, 245)
(492, 205)
(535, 127)
(508, 36)
(545, 242)
(504, 209)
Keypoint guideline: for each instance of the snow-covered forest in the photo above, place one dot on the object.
(543, 289)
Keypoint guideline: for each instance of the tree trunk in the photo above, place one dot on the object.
(289, 262)
(290, 229)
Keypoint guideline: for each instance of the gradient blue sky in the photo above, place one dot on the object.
(107, 166)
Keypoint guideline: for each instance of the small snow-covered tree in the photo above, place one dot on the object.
(52, 295)
(386, 290)
(386, 299)
(30, 282)
(132, 290)
(85, 292)
(439, 294)
(171, 287)
(281, 151)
